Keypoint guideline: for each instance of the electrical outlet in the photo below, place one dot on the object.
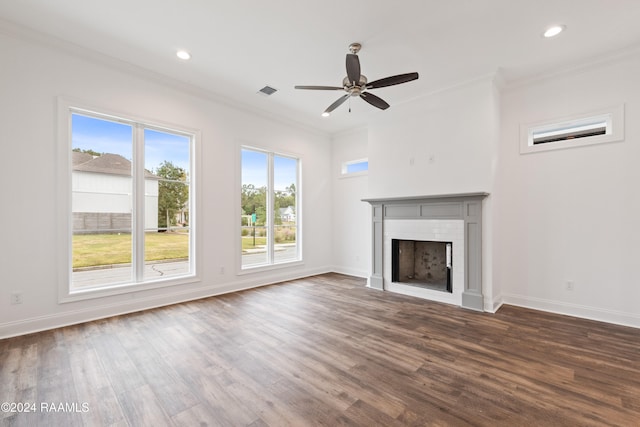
(221, 270)
(16, 298)
(569, 285)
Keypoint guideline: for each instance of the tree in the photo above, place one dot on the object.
(173, 193)
(89, 151)
(254, 200)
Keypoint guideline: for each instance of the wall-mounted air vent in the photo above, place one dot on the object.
(267, 90)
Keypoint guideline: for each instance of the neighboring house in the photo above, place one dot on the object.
(102, 189)
(287, 214)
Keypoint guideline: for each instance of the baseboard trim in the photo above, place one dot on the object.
(73, 317)
(68, 318)
(350, 271)
(575, 310)
(493, 306)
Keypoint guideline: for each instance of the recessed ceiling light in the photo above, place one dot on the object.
(183, 54)
(554, 31)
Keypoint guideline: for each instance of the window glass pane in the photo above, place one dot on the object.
(564, 133)
(285, 179)
(166, 219)
(254, 208)
(101, 201)
(357, 167)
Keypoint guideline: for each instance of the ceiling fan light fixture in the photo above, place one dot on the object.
(184, 55)
(553, 31)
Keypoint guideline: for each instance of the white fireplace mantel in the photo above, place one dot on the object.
(463, 206)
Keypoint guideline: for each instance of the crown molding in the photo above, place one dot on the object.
(349, 131)
(590, 64)
(35, 37)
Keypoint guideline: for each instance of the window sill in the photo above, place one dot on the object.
(353, 175)
(270, 267)
(125, 288)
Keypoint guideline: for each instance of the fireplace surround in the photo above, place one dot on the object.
(453, 218)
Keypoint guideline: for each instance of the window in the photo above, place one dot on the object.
(130, 202)
(352, 167)
(269, 232)
(596, 126)
(587, 129)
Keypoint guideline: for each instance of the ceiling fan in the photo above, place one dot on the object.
(355, 84)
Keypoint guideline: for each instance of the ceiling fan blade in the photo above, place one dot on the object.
(353, 68)
(336, 104)
(374, 100)
(393, 80)
(320, 87)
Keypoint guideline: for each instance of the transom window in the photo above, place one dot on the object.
(587, 129)
(270, 214)
(565, 132)
(355, 167)
(131, 202)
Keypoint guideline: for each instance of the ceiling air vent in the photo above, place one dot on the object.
(267, 90)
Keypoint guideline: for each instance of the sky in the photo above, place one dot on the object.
(254, 170)
(358, 166)
(103, 136)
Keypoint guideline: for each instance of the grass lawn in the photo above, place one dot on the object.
(91, 250)
(247, 242)
(104, 249)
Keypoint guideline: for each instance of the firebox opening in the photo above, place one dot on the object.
(420, 263)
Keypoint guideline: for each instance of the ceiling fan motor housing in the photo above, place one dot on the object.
(354, 90)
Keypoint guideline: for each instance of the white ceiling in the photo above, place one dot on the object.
(240, 46)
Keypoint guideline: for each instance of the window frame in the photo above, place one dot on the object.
(270, 265)
(64, 212)
(613, 117)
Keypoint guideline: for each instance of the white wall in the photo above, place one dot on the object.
(444, 143)
(571, 215)
(30, 82)
(351, 216)
(551, 217)
(437, 144)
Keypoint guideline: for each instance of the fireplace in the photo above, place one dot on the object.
(422, 236)
(425, 264)
(404, 226)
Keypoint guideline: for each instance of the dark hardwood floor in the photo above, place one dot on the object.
(324, 350)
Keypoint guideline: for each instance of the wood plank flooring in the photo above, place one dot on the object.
(326, 351)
